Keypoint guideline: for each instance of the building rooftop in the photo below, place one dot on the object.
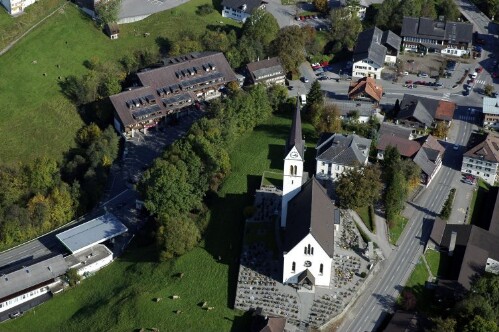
(295, 138)
(431, 150)
(372, 44)
(367, 86)
(487, 150)
(405, 147)
(264, 69)
(311, 211)
(491, 105)
(245, 6)
(425, 110)
(88, 256)
(341, 149)
(32, 275)
(427, 28)
(92, 232)
(394, 130)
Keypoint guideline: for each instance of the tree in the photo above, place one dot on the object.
(326, 118)
(489, 89)
(205, 9)
(187, 43)
(386, 13)
(395, 195)
(441, 130)
(315, 95)
(443, 325)
(218, 40)
(479, 324)
(359, 186)
(108, 11)
(73, 277)
(345, 27)
(321, 5)
(449, 9)
(428, 9)
(261, 27)
(176, 236)
(493, 7)
(277, 95)
(289, 45)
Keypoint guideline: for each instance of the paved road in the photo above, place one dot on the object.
(379, 297)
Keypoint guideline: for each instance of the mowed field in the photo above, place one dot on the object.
(36, 118)
(121, 297)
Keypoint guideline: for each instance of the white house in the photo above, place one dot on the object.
(373, 49)
(309, 237)
(293, 164)
(337, 153)
(15, 7)
(482, 160)
(240, 10)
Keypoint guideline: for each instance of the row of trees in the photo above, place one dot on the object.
(175, 186)
(477, 312)
(43, 194)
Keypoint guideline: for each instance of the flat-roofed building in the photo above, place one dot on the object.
(92, 232)
(169, 90)
(90, 260)
(29, 283)
(491, 112)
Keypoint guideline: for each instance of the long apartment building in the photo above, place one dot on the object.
(482, 160)
(169, 90)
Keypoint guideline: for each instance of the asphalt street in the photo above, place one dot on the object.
(380, 296)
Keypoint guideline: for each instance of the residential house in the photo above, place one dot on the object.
(240, 10)
(309, 237)
(404, 146)
(482, 160)
(365, 89)
(422, 112)
(112, 30)
(373, 49)
(395, 130)
(337, 153)
(263, 322)
(429, 158)
(169, 91)
(425, 35)
(16, 7)
(268, 71)
(361, 111)
(490, 112)
(472, 249)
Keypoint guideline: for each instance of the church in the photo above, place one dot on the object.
(308, 218)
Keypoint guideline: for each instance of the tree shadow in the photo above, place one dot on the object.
(164, 45)
(252, 184)
(241, 323)
(387, 302)
(276, 156)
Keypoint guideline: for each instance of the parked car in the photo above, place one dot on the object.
(479, 70)
(304, 79)
(410, 61)
(474, 75)
(16, 314)
(422, 74)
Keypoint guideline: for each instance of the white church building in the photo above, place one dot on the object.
(307, 217)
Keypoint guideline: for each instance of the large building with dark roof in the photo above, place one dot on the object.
(482, 160)
(170, 90)
(240, 10)
(337, 153)
(421, 112)
(373, 49)
(472, 249)
(422, 34)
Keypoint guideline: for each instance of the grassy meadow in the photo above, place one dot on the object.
(121, 297)
(37, 119)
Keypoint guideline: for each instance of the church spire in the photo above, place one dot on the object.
(295, 136)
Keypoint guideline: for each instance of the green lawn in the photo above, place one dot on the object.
(14, 27)
(433, 260)
(416, 285)
(36, 118)
(366, 218)
(396, 228)
(419, 275)
(272, 179)
(120, 297)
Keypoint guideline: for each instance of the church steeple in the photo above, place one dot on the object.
(293, 164)
(295, 135)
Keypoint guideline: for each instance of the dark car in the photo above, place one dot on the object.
(16, 314)
(410, 61)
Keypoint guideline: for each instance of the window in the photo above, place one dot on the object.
(312, 252)
(291, 169)
(308, 249)
(321, 269)
(293, 267)
(305, 251)
(296, 169)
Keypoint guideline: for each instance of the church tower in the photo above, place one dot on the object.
(293, 164)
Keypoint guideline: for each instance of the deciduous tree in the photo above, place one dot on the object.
(359, 186)
(321, 5)
(108, 11)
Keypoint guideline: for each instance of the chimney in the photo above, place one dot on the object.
(452, 244)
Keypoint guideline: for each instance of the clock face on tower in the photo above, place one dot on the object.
(294, 155)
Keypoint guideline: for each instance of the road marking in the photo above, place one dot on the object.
(446, 96)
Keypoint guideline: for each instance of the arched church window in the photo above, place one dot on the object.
(321, 268)
(308, 251)
(291, 169)
(293, 267)
(312, 252)
(305, 252)
(296, 169)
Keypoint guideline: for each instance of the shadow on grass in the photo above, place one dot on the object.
(241, 323)
(224, 234)
(252, 184)
(276, 156)
(482, 216)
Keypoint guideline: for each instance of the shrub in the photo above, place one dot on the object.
(447, 208)
(205, 9)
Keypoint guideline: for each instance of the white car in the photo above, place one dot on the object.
(474, 75)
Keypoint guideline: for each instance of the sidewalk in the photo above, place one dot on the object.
(381, 241)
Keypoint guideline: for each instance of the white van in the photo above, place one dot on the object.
(303, 99)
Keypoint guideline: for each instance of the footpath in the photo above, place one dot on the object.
(380, 238)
